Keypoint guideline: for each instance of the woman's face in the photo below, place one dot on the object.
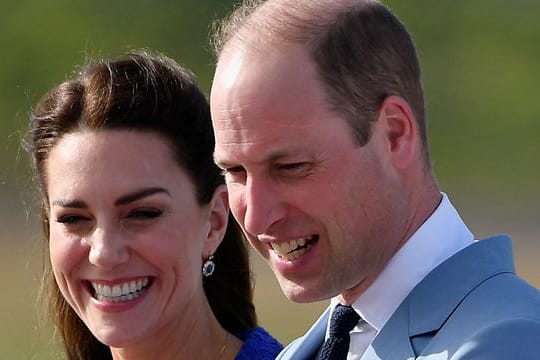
(127, 236)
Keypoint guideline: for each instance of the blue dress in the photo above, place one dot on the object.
(258, 344)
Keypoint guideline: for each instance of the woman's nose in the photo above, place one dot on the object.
(107, 248)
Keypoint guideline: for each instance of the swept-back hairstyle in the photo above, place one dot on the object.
(362, 52)
(148, 93)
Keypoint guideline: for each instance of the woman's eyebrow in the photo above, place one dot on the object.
(70, 203)
(125, 199)
(139, 194)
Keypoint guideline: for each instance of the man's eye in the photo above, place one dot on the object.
(234, 174)
(233, 170)
(143, 214)
(293, 166)
(296, 168)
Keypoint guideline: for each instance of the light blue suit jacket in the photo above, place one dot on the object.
(472, 306)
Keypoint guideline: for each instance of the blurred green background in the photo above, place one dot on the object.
(481, 72)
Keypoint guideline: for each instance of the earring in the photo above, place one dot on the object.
(209, 266)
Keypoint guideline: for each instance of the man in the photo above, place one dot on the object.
(319, 121)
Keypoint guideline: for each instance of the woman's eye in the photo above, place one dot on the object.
(70, 219)
(143, 214)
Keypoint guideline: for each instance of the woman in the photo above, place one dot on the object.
(145, 261)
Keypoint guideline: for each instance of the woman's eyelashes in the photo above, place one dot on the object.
(70, 219)
(74, 223)
(139, 214)
(144, 214)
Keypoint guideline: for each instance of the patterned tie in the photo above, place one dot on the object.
(336, 347)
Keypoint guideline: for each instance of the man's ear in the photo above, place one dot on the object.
(218, 215)
(400, 130)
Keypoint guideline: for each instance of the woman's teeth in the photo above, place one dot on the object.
(120, 292)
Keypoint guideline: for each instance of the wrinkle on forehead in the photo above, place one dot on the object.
(234, 122)
(241, 136)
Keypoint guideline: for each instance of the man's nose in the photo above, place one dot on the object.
(263, 205)
(107, 248)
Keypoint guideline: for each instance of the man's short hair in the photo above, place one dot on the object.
(362, 52)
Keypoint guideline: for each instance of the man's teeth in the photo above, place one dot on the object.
(120, 292)
(291, 250)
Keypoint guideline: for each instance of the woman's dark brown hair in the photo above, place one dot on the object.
(148, 93)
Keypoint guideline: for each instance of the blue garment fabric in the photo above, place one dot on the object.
(258, 344)
(472, 306)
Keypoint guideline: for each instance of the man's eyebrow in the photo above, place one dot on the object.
(139, 194)
(271, 157)
(221, 162)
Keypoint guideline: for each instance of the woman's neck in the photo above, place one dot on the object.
(195, 331)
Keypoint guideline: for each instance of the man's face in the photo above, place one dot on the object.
(319, 208)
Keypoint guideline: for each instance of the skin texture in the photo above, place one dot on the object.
(121, 208)
(294, 170)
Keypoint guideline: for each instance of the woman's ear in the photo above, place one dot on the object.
(218, 215)
(400, 130)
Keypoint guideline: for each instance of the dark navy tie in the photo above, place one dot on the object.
(343, 320)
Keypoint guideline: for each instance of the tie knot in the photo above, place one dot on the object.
(344, 318)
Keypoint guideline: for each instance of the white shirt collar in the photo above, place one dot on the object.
(442, 235)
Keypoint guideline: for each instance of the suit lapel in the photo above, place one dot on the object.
(433, 300)
(436, 297)
(393, 341)
(425, 310)
(306, 347)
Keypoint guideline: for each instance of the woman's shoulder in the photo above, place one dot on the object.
(258, 344)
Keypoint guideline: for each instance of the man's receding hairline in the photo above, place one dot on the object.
(288, 21)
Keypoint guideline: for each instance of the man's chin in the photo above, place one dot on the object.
(300, 294)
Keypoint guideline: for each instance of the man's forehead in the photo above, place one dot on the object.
(229, 66)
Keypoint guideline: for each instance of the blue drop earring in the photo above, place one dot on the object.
(209, 266)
